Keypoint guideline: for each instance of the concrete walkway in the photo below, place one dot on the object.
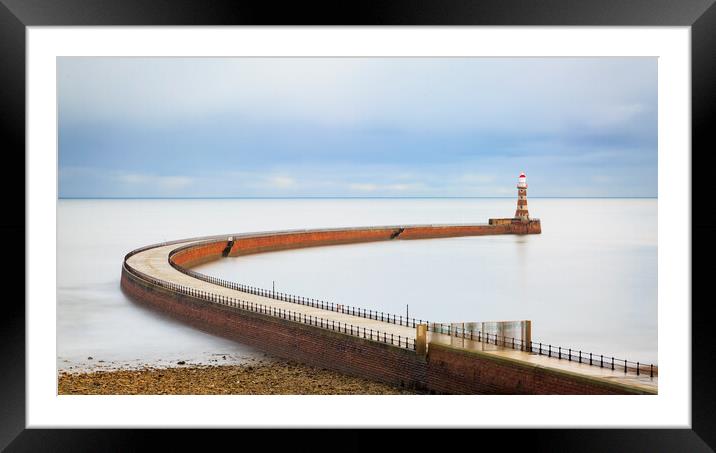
(154, 262)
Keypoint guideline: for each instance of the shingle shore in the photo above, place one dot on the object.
(272, 378)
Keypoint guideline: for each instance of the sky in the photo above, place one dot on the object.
(356, 127)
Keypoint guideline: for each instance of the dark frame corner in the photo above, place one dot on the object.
(16, 15)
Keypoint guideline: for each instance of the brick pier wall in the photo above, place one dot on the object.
(285, 241)
(259, 243)
(459, 371)
(496, 226)
(284, 338)
(427, 232)
(517, 226)
(444, 370)
(199, 254)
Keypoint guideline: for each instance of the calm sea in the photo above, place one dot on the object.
(588, 282)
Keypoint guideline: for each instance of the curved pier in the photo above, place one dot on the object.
(361, 342)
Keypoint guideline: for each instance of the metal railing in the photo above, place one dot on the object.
(240, 304)
(558, 352)
(292, 298)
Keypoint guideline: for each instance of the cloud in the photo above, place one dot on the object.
(476, 178)
(611, 115)
(404, 187)
(373, 95)
(174, 182)
(363, 187)
(132, 178)
(281, 182)
(147, 181)
(387, 188)
(355, 126)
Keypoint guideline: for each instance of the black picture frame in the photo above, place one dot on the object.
(16, 15)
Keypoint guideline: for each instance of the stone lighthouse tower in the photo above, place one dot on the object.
(522, 212)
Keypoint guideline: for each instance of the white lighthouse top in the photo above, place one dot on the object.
(522, 182)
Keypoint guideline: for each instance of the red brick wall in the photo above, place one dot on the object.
(282, 241)
(444, 370)
(425, 232)
(458, 371)
(200, 254)
(531, 227)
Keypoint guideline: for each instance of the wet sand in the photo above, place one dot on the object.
(258, 378)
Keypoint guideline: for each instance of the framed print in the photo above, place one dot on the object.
(510, 207)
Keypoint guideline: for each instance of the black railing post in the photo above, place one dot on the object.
(637, 368)
(590, 358)
(651, 370)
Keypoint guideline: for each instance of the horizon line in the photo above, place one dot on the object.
(343, 197)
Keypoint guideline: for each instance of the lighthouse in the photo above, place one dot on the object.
(522, 212)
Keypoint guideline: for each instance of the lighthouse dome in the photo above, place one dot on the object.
(522, 181)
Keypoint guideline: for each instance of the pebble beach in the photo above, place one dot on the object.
(257, 377)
